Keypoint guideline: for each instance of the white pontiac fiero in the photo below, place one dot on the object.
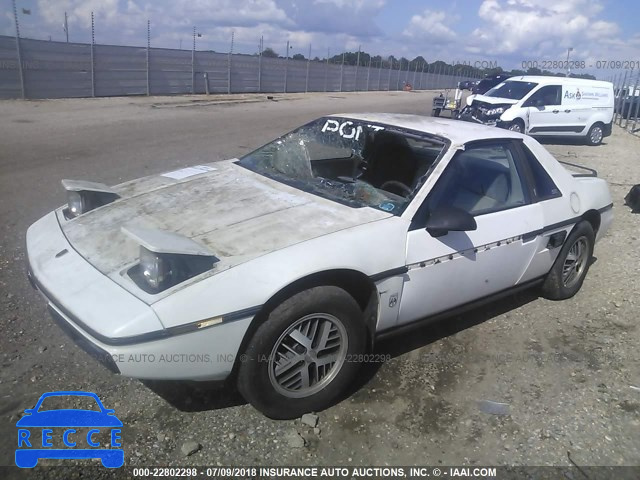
(281, 269)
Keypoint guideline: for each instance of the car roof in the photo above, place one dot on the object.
(456, 131)
(546, 80)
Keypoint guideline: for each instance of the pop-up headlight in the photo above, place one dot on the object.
(84, 196)
(166, 259)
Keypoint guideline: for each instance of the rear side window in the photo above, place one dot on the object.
(543, 186)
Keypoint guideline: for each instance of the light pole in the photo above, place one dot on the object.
(569, 50)
(18, 50)
(193, 61)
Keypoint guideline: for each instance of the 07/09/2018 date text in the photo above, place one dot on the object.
(582, 64)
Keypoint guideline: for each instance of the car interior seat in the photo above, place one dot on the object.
(480, 187)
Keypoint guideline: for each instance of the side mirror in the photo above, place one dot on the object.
(450, 219)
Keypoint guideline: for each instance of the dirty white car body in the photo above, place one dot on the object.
(264, 241)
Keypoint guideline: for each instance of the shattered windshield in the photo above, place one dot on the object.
(360, 164)
(511, 89)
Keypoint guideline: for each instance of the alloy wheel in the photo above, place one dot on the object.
(308, 355)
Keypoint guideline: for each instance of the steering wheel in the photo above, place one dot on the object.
(399, 185)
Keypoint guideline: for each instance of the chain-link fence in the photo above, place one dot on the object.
(626, 87)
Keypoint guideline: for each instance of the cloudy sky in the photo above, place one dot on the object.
(508, 31)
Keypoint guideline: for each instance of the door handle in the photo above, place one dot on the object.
(567, 111)
(556, 111)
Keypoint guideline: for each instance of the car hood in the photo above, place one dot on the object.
(494, 100)
(235, 213)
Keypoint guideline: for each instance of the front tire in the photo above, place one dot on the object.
(300, 359)
(516, 126)
(570, 268)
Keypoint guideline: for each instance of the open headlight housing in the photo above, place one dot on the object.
(156, 272)
(84, 196)
(156, 269)
(75, 204)
(166, 258)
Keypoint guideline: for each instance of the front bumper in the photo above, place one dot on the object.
(117, 329)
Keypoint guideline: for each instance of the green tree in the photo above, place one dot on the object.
(269, 52)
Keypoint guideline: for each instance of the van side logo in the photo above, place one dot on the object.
(42, 426)
(577, 95)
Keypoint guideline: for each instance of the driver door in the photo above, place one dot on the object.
(458, 267)
(544, 112)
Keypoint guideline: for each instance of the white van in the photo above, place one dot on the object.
(546, 106)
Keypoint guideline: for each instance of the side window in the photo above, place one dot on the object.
(549, 95)
(542, 185)
(481, 179)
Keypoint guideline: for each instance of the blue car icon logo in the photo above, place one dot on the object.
(78, 430)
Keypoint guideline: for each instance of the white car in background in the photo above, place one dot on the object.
(282, 269)
(546, 107)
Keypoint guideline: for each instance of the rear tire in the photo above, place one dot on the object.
(302, 358)
(595, 134)
(570, 268)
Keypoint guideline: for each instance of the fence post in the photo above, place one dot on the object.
(193, 63)
(148, 50)
(18, 52)
(326, 69)
(355, 85)
(369, 73)
(306, 83)
(379, 73)
(633, 101)
(261, 47)
(229, 65)
(621, 99)
(616, 87)
(286, 68)
(614, 80)
(341, 70)
(415, 72)
(93, 55)
(399, 72)
(389, 79)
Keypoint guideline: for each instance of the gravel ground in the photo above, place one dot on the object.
(564, 369)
